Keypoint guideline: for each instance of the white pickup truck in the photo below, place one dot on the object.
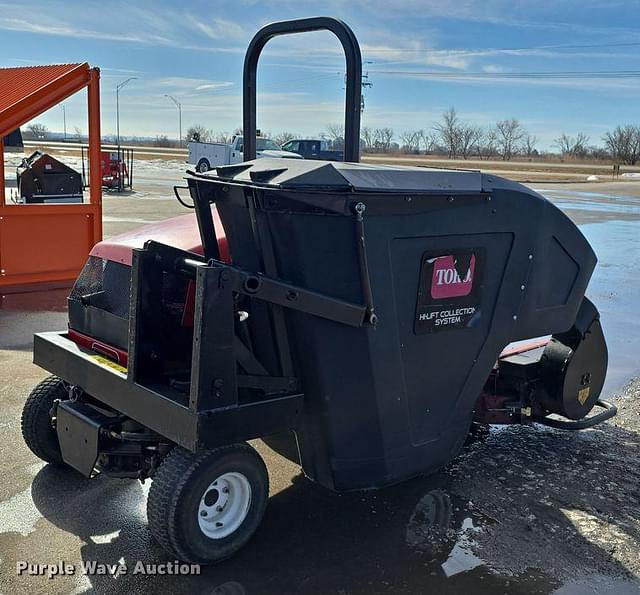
(208, 155)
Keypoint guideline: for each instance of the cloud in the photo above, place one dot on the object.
(208, 86)
(160, 26)
(218, 29)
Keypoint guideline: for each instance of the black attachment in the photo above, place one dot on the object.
(78, 427)
(573, 366)
(354, 79)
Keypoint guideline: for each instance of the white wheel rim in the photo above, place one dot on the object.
(224, 505)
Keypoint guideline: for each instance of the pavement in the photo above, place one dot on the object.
(522, 510)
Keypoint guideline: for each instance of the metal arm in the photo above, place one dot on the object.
(354, 78)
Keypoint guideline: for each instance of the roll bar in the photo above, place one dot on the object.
(354, 78)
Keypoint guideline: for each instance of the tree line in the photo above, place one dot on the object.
(451, 136)
(455, 138)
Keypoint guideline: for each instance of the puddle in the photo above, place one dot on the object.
(616, 242)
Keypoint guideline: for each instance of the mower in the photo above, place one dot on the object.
(354, 317)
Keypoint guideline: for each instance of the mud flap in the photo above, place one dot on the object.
(78, 427)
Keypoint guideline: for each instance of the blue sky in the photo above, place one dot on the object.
(194, 51)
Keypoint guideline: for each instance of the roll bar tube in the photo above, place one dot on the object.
(354, 78)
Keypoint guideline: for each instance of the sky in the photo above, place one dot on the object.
(193, 50)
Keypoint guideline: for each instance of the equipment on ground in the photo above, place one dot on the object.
(13, 142)
(116, 168)
(352, 316)
(44, 179)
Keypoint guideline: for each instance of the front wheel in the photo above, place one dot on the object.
(204, 507)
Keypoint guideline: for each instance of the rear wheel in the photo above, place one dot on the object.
(37, 428)
(204, 507)
(203, 166)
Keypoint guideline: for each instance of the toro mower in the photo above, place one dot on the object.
(352, 316)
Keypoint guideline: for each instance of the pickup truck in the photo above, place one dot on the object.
(313, 149)
(206, 156)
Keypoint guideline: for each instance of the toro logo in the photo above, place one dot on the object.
(446, 281)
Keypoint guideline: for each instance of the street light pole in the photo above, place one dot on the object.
(179, 106)
(64, 120)
(118, 87)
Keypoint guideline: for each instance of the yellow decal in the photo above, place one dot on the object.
(105, 361)
(583, 395)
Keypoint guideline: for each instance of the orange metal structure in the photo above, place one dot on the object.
(47, 244)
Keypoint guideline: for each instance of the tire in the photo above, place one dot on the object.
(37, 429)
(196, 521)
(203, 166)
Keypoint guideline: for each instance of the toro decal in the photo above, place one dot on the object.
(449, 291)
(447, 281)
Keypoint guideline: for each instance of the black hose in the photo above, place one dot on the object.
(582, 424)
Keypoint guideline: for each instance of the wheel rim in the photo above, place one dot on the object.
(224, 505)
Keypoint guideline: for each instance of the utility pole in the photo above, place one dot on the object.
(64, 120)
(179, 106)
(366, 84)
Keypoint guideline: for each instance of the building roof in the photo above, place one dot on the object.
(27, 92)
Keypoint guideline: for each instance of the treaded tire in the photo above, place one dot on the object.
(176, 491)
(203, 166)
(37, 431)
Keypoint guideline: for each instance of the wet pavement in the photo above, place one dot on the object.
(523, 510)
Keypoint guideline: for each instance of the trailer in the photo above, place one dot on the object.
(354, 317)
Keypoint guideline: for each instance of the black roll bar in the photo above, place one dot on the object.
(354, 79)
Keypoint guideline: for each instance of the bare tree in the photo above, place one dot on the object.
(509, 133)
(38, 131)
(410, 141)
(77, 133)
(489, 145)
(382, 139)
(573, 146)
(428, 141)
(366, 135)
(198, 133)
(448, 130)
(222, 137)
(529, 145)
(624, 144)
(284, 137)
(469, 139)
(336, 133)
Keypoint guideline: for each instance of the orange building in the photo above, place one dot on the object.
(46, 245)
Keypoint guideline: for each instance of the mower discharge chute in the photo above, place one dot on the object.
(353, 316)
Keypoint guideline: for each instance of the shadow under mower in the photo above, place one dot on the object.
(256, 319)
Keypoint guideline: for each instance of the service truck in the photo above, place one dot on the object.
(205, 156)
